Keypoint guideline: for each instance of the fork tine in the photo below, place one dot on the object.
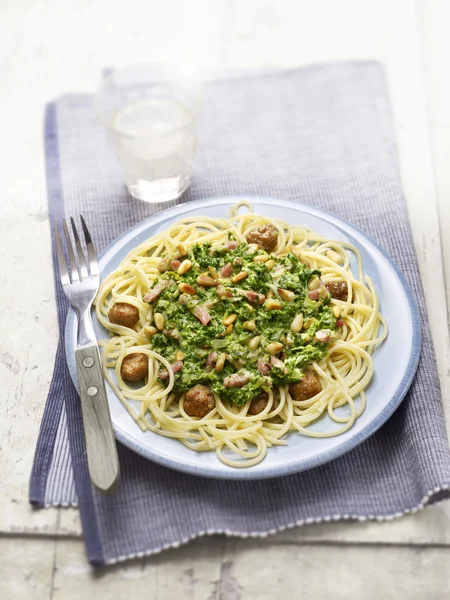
(81, 257)
(75, 272)
(63, 272)
(93, 264)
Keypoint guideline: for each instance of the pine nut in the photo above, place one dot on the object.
(185, 288)
(213, 272)
(314, 283)
(307, 324)
(261, 258)
(254, 342)
(159, 321)
(286, 294)
(270, 264)
(249, 325)
(229, 329)
(297, 323)
(274, 348)
(334, 256)
(239, 277)
(230, 319)
(182, 249)
(220, 362)
(269, 294)
(206, 281)
(184, 267)
(272, 304)
(179, 355)
(336, 310)
(150, 330)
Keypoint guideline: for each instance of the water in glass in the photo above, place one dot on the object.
(155, 141)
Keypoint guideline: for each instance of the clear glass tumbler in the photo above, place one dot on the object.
(151, 115)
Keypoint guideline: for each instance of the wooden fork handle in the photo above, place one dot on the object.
(103, 461)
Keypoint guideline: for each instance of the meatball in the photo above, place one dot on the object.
(258, 404)
(307, 387)
(265, 236)
(337, 289)
(134, 367)
(124, 314)
(199, 401)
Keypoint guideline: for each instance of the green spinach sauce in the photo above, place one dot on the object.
(185, 336)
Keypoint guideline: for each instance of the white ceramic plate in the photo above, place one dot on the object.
(395, 362)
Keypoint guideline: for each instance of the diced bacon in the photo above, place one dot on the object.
(324, 336)
(264, 368)
(254, 297)
(164, 374)
(202, 314)
(226, 270)
(155, 292)
(223, 293)
(231, 245)
(276, 362)
(176, 367)
(211, 360)
(340, 323)
(236, 380)
(314, 294)
(174, 264)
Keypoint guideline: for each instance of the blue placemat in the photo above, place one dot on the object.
(320, 135)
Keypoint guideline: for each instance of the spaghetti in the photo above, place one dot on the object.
(238, 331)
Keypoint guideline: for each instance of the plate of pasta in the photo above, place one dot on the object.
(248, 338)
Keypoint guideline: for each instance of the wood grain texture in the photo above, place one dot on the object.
(214, 569)
(55, 47)
(102, 458)
(26, 569)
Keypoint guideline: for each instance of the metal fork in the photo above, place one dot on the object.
(80, 280)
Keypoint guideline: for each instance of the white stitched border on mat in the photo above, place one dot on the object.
(61, 505)
(258, 534)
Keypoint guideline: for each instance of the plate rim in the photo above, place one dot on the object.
(322, 457)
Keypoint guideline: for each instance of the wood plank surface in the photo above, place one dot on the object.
(49, 48)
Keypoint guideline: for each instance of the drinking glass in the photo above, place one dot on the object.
(151, 114)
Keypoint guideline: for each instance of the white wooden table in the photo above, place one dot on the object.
(50, 47)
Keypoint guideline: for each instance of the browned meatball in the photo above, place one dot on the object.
(258, 404)
(199, 401)
(307, 387)
(134, 367)
(337, 289)
(124, 314)
(265, 236)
